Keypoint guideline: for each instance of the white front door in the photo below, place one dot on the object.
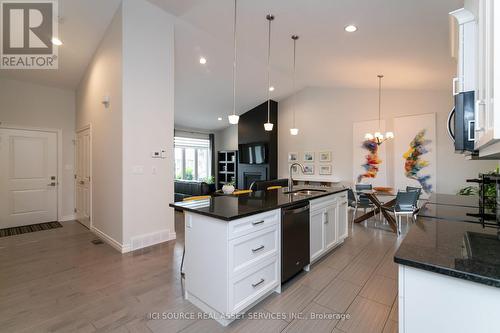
(28, 177)
(83, 177)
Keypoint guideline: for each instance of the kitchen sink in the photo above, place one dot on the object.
(305, 192)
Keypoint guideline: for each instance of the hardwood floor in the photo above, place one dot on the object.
(58, 281)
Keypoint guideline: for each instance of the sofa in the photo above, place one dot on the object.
(189, 188)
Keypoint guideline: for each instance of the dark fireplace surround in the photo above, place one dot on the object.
(251, 130)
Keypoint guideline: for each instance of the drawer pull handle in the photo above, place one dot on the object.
(258, 222)
(258, 283)
(258, 249)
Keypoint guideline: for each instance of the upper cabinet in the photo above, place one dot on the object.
(487, 112)
(464, 33)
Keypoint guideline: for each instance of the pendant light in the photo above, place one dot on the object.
(378, 136)
(269, 126)
(234, 118)
(294, 130)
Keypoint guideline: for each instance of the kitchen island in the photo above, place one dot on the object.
(449, 274)
(234, 244)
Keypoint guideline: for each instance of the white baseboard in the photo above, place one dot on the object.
(111, 241)
(67, 218)
(146, 240)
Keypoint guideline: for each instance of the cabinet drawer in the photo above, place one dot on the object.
(253, 223)
(248, 250)
(247, 288)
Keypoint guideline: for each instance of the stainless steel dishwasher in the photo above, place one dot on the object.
(294, 239)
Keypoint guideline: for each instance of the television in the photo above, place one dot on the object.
(253, 153)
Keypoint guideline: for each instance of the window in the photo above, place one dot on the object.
(192, 158)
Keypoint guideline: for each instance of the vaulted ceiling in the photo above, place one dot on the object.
(407, 40)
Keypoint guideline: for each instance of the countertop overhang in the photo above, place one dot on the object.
(458, 249)
(230, 208)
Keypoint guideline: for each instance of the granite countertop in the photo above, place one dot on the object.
(453, 200)
(459, 249)
(229, 208)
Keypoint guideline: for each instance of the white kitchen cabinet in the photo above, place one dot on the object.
(231, 265)
(487, 115)
(328, 224)
(465, 51)
(316, 234)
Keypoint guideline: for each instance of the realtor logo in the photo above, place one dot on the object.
(27, 29)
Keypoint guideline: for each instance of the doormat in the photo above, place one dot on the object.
(29, 228)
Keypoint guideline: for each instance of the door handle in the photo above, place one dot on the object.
(52, 184)
(455, 82)
(258, 283)
(258, 249)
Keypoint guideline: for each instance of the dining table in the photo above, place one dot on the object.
(377, 196)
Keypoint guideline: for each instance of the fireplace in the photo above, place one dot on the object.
(248, 173)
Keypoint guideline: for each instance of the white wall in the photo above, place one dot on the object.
(104, 77)
(32, 105)
(325, 118)
(148, 123)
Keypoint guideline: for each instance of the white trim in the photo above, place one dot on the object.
(91, 183)
(147, 240)
(173, 235)
(67, 218)
(108, 239)
(59, 140)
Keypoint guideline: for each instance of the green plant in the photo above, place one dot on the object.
(188, 174)
(209, 180)
(469, 190)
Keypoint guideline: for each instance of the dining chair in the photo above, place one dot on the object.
(405, 205)
(362, 199)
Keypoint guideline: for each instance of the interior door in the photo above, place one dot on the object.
(316, 235)
(330, 222)
(83, 178)
(28, 177)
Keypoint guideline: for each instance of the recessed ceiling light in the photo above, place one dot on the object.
(219, 119)
(351, 28)
(56, 41)
(271, 88)
(203, 60)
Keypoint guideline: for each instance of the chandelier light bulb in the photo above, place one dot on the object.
(369, 136)
(389, 135)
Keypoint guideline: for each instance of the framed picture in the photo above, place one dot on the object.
(308, 169)
(325, 169)
(325, 156)
(308, 156)
(293, 157)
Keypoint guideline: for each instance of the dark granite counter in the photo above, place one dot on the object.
(454, 200)
(459, 249)
(229, 208)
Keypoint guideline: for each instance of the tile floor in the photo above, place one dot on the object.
(58, 281)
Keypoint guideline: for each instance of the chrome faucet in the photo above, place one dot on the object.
(290, 179)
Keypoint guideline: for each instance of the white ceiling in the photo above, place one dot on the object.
(407, 40)
(81, 28)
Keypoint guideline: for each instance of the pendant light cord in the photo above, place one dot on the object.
(269, 18)
(379, 98)
(234, 59)
(294, 37)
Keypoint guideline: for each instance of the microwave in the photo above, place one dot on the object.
(461, 122)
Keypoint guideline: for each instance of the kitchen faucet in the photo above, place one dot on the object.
(290, 179)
